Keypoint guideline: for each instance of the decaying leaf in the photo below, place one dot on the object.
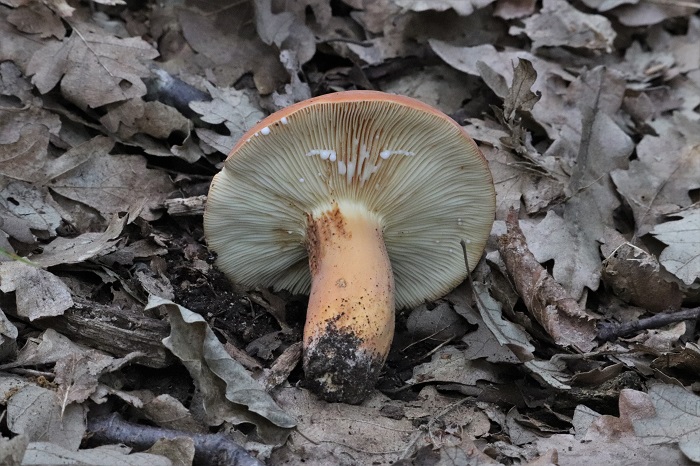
(682, 256)
(45, 349)
(285, 30)
(12, 450)
(441, 323)
(676, 420)
(655, 186)
(47, 453)
(505, 332)
(37, 413)
(612, 440)
(28, 212)
(38, 293)
(559, 23)
(231, 107)
(93, 69)
(462, 7)
(373, 434)
(228, 392)
(365, 434)
(78, 374)
(636, 276)
(116, 183)
(557, 311)
(166, 411)
(520, 97)
(22, 160)
(449, 365)
(508, 177)
(549, 373)
(37, 18)
(588, 212)
(687, 359)
(210, 29)
(81, 248)
(179, 450)
(296, 90)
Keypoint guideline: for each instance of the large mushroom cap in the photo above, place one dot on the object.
(406, 163)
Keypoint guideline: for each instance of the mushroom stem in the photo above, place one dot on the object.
(350, 318)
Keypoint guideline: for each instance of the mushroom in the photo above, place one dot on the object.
(360, 199)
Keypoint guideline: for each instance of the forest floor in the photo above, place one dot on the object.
(575, 341)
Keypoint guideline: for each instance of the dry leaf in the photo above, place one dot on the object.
(655, 186)
(38, 293)
(12, 450)
(449, 365)
(646, 13)
(557, 311)
(676, 420)
(180, 450)
(497, 69)
(228, 391)
(81, 248)
(687, 359)
(231, 107)
(115, 183)
(78, 373)
(549, 373)
(439, 323)
(27, 210)
(461, 7)
(330, 433)
(37, 413)
(93, 69)
(46, 349)
(506, 333)
(168, 412)
(15, 46)
(24, 160)
(45, 453)
(559, 23)
(611, 440)
(572, 241)
(37, 18)
(285, 30)
(296, 90)
(636, 277)
(682, 256)
(212, 34)
(520, 98)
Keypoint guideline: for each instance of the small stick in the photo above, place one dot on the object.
(608, 331)
(214, 449)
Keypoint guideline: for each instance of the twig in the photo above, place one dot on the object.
(347, 41)
(403, 350)
(608, 331)
(213, 449)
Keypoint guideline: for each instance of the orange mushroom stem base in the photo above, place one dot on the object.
(350, 318)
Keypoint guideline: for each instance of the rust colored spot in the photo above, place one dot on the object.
(320, 231)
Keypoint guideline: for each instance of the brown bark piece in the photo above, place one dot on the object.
(560, 315)
(186, 206)
(111, 329)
